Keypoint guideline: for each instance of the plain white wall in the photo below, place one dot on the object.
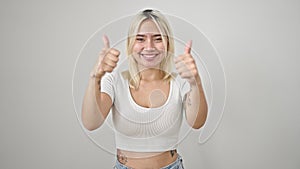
(258, 43)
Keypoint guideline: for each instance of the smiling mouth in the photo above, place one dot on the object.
(149, 56)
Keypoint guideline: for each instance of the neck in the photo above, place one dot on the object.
(151, 74)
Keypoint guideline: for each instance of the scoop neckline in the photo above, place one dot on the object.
(148, 108)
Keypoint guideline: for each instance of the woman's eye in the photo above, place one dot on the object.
(158, 40)
(140, 39)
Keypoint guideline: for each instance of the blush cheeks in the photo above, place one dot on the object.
(148, 49)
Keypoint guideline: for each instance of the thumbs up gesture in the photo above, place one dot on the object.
(108, 59)
(186, 65)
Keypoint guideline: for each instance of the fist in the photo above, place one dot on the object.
(108, 59)
(186, 65)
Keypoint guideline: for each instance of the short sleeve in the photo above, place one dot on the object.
(183, 86)
(184, 89)
(107, 85)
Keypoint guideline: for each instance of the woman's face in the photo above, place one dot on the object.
(148, 49)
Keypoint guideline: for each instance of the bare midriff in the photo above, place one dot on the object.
(146, 160)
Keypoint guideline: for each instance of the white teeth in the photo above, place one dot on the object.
(149, 56)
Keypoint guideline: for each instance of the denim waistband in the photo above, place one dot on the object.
(174, 165)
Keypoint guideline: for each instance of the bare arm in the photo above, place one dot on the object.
(96, 105)
(195, 101)
(196, 105)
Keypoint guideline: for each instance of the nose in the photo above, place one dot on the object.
(149, 44)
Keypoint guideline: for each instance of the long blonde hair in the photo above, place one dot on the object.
(161, 22)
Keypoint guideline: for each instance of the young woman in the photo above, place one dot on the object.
(147, 101)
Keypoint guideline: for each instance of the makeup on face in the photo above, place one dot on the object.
(149, 48)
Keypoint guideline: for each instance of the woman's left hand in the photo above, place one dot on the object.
(186, 65)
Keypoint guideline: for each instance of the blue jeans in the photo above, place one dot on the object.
(175, 165)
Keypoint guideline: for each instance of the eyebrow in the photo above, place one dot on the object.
(143, 35)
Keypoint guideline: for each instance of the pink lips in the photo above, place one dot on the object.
(149, 56)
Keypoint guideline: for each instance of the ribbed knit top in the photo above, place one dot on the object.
(142, 129)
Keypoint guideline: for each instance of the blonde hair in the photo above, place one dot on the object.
(161, 22)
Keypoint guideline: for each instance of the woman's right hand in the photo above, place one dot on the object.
(107, 61)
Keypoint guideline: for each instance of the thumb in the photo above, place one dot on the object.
(105, 42)
(188, 47)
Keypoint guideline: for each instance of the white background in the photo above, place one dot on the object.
(258, 43)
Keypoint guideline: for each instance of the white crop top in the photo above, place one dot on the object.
(143, 129)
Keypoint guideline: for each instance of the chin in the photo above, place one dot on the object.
(152, 64)
(149, 66)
